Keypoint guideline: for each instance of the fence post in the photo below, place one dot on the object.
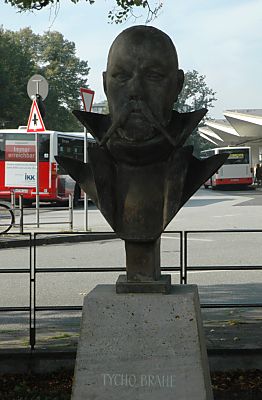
(32, 292)
(70, 205)
(181, 235)
(12, 198)
(184, 275)
(21, 209)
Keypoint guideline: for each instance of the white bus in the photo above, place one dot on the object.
(236, 170)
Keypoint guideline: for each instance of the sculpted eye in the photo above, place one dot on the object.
(154, 76)
(121, 76)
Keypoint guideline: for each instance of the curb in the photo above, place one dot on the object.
(56, 239)
(232, 359)
(42, 361)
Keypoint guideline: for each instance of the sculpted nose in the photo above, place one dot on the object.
(135, 88)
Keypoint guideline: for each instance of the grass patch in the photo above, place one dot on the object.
(60, 336)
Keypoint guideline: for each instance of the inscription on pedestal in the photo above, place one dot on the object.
(142, 347)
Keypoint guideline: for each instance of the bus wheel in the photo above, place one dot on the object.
(77, 193)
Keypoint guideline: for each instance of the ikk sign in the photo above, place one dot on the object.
(20, 174)
(20, 167)
(35, 121)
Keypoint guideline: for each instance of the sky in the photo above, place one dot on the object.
(221, 39)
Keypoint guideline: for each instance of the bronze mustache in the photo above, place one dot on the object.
(135, 106)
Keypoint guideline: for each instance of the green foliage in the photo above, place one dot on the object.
(27, 5)
(16, 67)
(195, 93)
(121, 11)
(23, 54)
(125, 8)
(194, 96)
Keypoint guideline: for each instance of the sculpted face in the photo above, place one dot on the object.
(142, 83)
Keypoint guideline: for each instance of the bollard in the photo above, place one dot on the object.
(12, 199)
(70, 206)
(21, 210)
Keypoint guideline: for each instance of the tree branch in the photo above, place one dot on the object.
(123, 9)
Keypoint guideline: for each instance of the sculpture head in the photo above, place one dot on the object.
(142, 83)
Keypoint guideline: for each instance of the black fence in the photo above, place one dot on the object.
(32, 241)
(193, 268)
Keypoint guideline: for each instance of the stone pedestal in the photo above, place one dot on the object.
(142, 347)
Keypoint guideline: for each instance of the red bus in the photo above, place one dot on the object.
(18, 166)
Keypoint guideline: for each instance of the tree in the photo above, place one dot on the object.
(121, 11)
(16, 67)
(50, 55)
(66, 74)
(194, 96)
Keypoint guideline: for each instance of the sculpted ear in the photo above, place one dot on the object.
(180, 83)
(104, 82)
(180, 80)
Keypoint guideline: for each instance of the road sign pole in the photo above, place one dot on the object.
(37, 170)
(37, 179)
(36, 86)
(87, 98)
(86, 196)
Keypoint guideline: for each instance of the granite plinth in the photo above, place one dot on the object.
(142, 347)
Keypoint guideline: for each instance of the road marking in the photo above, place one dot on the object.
(225, 215)
(197, 239)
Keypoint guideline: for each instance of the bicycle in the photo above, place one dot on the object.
(7, 218)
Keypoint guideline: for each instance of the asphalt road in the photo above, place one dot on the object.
(206, 210)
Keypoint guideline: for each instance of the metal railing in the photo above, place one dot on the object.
(183, 268)
(193, 268)
(20, 209)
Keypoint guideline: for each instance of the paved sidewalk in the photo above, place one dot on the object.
(43, 237)
(225, 328)
(233, 336)
(235, 329)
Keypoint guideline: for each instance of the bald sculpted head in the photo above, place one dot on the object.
(142, 82)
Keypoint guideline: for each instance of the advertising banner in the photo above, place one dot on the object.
(19, 174)
(20, 166)
(19, 150)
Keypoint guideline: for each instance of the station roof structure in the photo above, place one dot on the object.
(246, 122)
(208, 135)
(240, 127)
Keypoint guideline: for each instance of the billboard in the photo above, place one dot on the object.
(19, 150)
(20, 166)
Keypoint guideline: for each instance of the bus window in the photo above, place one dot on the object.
(44, 147)
(17, 147)
(70, 147)
(2, 148)
(236, 156)
(13, 139)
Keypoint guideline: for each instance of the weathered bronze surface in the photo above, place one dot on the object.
(140, 173)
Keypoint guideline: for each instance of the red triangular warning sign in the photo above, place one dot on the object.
(35, 121)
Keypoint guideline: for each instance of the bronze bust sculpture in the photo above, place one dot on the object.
(140, 173)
